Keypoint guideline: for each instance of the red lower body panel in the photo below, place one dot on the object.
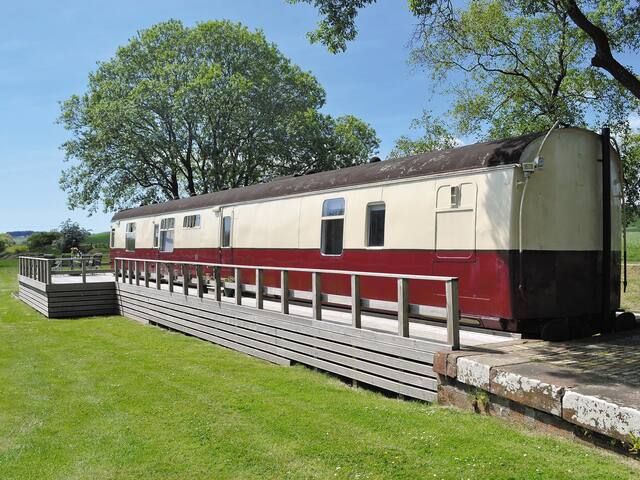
(491, 288)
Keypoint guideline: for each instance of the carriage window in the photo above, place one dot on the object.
(130, 237)
(455, 197)
(332, 226)
(112, 241)
(226, 231)
(375, 219)
(156, 235)
(191, 221)
(167, 226)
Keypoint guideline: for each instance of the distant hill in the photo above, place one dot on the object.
(21, 233)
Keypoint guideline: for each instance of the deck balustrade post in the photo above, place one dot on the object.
(200, 277)
(39, 270)
(145, 268)
(238, 279)
(49, 268)
(218, 283)
(136, 272)
(130, 273)
(170, 275)
(122, 270)
(259, 288)
(186, 278)
(284, 291)
(316, 295)
(403, 307)
(158, 276)
(453, 314)
(115, 270)
(356, 304)
(83, 269)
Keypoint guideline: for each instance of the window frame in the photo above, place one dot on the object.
(197, 221)
(222, 232)
(329, 218)
(367, 230)
(112, 238)
(164, 231)
(156, 235)
(127, 231)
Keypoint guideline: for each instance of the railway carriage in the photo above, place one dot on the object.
(519, 221)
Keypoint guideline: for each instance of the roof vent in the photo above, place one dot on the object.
(374, 159)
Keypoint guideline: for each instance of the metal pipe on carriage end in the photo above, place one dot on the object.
(524, 192)
(606, 320)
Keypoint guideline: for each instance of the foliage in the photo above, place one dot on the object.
(436, 136)
(185, 111)
(5, 241)
(610, 26)
(41, 241)
(522, 71)
(634, 443)
(71, 235)
(136, 401)
(630, 157)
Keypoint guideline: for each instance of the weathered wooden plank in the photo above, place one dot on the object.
(413, 344)
(212, 319)
(343, 334)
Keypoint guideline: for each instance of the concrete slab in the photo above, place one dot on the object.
(612, 410)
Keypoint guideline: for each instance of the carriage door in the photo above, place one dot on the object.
(455, 232)
(226, 235)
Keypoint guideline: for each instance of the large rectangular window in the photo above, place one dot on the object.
(130, 237)
(375, 220)
(167, 230)
(226, 231)
(191, 221)
(332, 230)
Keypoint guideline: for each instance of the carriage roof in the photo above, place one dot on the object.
(468, 157)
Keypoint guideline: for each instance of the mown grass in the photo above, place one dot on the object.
(110, 398)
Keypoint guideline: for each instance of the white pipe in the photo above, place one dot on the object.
(524, 191)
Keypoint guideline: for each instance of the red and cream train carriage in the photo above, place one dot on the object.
(522, 260)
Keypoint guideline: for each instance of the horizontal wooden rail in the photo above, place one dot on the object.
(129, 270)
(43, 269)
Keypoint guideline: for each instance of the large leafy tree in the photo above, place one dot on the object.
(184, 111)
(611, 26)
(436, 135)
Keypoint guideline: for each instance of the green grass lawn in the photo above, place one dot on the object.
(108, 398)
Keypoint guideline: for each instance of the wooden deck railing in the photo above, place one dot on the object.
(206, 275)
(42, 269)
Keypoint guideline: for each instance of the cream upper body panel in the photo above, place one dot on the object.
(562, 208)
(466, 210)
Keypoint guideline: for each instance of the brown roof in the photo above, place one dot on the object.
(480, 155)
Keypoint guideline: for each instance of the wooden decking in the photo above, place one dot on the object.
(372, 353)
(68, 297)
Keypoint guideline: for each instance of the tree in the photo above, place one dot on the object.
(436, 136)
(612, 26)
(185, 111)
(630, 159)
(6, 240)
(71, 235)
(42, 241)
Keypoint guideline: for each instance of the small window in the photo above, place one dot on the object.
(455, 196)
(112, 240)
(191, 221)
(332, 230)
(156, 235)
(130, 237)
(226, 231)
(167, 226)
(375, 220)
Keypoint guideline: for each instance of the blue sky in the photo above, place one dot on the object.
(47, 50)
